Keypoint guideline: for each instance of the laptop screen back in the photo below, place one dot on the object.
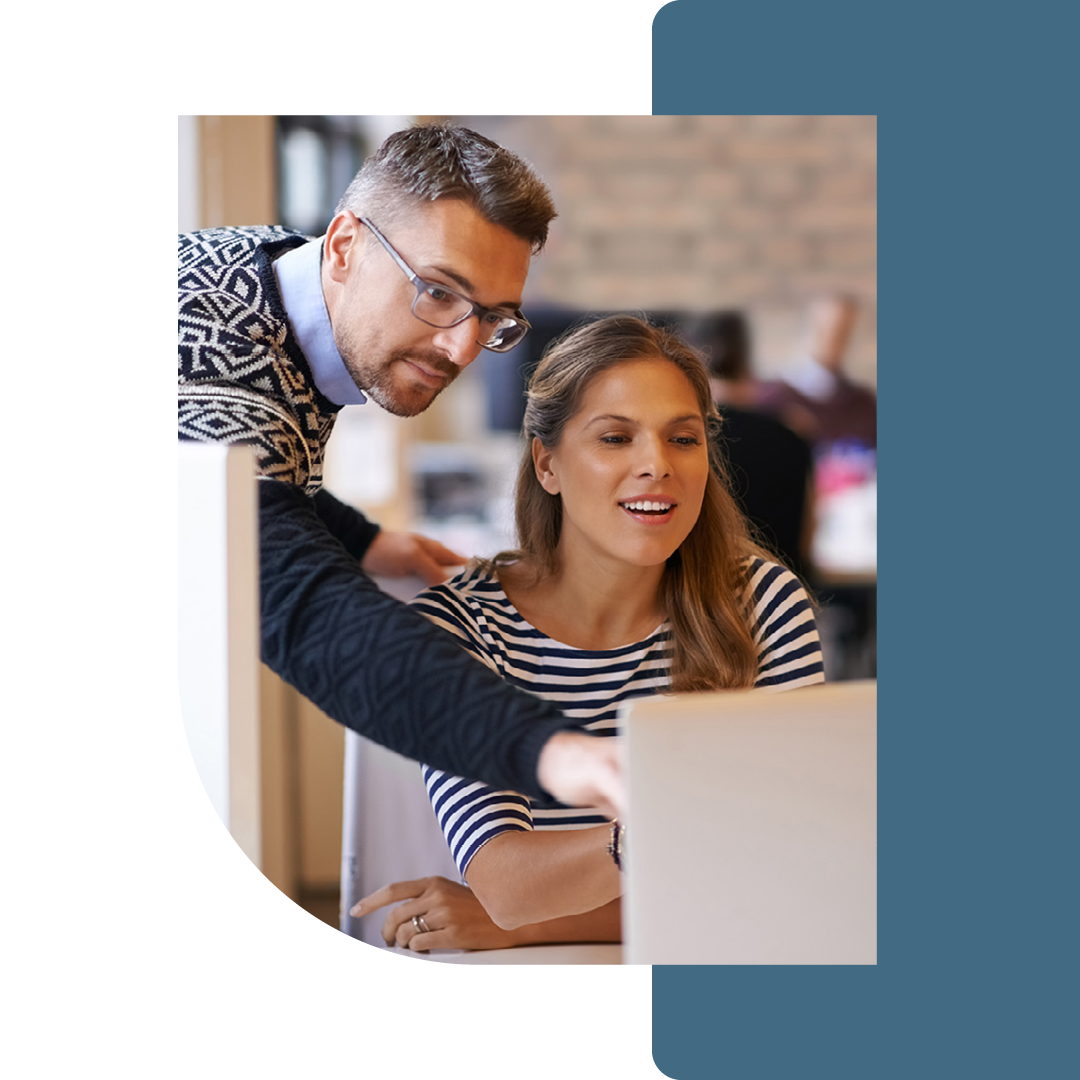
(752, 827)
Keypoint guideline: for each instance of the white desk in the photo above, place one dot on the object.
(525, 954)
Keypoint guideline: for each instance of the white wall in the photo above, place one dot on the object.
(188, 173)
(219, 631)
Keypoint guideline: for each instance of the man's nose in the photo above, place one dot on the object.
(460, 341)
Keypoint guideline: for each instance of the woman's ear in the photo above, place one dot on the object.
(543, 464)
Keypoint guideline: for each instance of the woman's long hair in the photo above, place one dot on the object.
(702, 590)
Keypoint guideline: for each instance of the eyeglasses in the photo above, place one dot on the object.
(438, 306)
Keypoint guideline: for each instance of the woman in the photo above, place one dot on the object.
(635, 575)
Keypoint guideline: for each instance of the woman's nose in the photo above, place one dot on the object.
(654, 460)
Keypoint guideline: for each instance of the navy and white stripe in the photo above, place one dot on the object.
(588, 685)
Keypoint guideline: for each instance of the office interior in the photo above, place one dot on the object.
(676, 217)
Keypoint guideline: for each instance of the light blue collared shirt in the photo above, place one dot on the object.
(300, 282)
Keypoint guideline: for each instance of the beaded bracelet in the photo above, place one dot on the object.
(615, 843)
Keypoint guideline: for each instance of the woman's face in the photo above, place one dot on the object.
(631, 466)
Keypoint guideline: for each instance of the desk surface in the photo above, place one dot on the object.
(526, 954)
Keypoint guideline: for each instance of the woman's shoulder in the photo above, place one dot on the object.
(768, 583)
(478, 577)
(761, 572)
(782, 621)
(476, 583)
(467, 605)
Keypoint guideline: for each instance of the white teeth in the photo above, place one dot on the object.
(646, 505)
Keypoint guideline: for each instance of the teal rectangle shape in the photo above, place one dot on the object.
(976, 391)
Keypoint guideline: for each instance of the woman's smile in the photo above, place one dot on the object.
(657, 510)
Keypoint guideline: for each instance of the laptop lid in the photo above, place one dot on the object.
(752, 827)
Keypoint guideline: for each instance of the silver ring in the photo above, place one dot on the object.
(421, 926)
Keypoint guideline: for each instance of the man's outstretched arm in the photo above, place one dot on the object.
(380, 668)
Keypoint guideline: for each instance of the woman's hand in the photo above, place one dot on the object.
(454, 917)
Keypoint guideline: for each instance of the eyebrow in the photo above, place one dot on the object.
(630, 420)
(464, 283)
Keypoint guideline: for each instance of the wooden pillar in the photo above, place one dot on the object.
(237, 175)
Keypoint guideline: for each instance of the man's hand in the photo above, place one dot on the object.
(454, 918)
(584, 770)
(399, 554)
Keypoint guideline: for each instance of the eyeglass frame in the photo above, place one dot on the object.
(421, 286)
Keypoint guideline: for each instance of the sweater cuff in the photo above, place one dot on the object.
(345, 523)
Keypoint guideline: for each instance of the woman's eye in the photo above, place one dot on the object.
(687, 440)
(613, 440)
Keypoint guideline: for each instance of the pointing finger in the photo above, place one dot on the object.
(389, 894)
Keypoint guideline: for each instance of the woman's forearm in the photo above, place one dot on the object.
(532, 877)
(602, 924)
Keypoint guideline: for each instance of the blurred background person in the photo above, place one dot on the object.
(839, 419)
(815, 397)
(770, 467)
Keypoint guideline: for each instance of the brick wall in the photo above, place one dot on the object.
(700, 212)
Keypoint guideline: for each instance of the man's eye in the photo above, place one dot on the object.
(435, 293)
(493, 318)
(613, 440)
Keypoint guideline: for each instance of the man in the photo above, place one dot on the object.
(816, 398)
(423, 265)
(838, 417)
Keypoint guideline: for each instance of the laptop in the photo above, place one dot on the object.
(752, 827)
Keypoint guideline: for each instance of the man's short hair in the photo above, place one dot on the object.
(446, 161)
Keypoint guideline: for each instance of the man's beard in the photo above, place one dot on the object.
(388, 383)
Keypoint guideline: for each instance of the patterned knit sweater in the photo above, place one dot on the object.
(242, 375)
(367, 660)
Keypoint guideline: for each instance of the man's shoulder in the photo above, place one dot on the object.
(226, 247)
(225, 276)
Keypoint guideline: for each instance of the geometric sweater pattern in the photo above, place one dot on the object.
(242, 375)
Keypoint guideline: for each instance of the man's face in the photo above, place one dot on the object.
(399, 361)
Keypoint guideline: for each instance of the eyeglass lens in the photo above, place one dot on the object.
(440, 307)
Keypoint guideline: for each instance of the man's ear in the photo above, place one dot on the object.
(544, 466)
(342, 246)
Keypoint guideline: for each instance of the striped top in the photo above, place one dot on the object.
(587, 685)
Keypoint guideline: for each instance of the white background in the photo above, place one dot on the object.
(138, 940)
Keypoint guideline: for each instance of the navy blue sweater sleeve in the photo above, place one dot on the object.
(345, 522)
(378, 666)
